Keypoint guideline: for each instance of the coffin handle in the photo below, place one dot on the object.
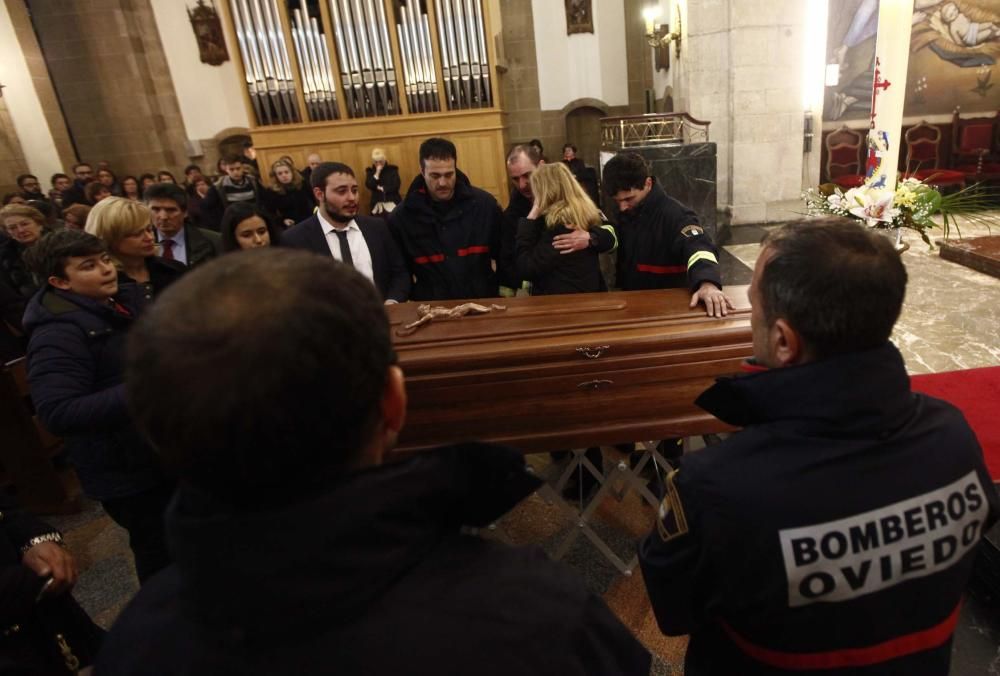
(595, 384)
(593, 352)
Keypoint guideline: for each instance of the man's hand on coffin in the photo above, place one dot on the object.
(717, 304)
(575, 240)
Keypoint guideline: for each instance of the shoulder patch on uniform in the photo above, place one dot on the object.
(671, 521)
(692, 230)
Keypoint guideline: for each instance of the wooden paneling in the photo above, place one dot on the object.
(479, 137)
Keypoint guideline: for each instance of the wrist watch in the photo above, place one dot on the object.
(593, 241)
(39, 539)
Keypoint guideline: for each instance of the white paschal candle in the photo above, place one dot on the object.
(892, 56)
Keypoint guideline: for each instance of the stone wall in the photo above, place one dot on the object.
(109, 70)
(521, 100)
(12, 160)
(740, 69)
(44, 90)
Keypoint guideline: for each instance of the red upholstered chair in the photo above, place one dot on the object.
(923, 158)
(843, 158)
(975, 146)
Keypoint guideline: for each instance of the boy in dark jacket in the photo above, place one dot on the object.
(76, 325)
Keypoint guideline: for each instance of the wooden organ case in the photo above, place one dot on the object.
(342, 77)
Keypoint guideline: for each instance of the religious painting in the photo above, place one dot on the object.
(208, 32)
(579, 16)
(954, 50)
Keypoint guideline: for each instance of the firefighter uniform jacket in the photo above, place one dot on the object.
(449, 245)
(661, 246)
(835, 534)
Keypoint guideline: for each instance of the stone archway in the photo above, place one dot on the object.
(583, 128)
(231, 141)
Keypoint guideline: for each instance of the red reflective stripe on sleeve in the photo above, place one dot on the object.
(900, 646)
(468, 251)
(661, 269)
(424, 260)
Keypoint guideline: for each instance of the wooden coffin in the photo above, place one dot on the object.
(571, 371)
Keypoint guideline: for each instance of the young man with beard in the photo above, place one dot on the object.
(74, 194)
(522, 160)
(30, 188)
(337, 230)
(448, 230)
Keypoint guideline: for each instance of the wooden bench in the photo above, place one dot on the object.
(27, 449)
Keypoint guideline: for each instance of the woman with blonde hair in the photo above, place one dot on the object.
(560, 207)
(288, 196)
(126, 229)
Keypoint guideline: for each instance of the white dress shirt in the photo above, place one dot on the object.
(359, 247)
(179, 249)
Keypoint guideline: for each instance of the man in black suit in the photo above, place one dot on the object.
(179, 240)
(337, 230)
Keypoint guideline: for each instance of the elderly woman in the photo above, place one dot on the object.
(125, 228)
(382, 179)
(247, 226)
(289, 196)
(24, 226)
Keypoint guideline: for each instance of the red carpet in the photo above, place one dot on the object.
(977, 393)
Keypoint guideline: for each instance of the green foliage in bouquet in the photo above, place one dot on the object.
(912, 206)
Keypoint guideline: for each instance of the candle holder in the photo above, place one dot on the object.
(660, 35)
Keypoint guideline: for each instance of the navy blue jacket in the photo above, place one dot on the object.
(449, 247)
(837, 531)
(76, 349)
(373, 576)
(659, 249)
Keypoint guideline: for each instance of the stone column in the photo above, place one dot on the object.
(892, 57)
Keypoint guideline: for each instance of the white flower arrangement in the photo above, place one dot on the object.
(911, 205)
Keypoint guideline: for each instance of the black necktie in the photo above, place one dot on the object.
(345, 249)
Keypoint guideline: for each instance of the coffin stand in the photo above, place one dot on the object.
(570, 372)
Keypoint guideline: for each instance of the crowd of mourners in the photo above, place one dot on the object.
(241, 438)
